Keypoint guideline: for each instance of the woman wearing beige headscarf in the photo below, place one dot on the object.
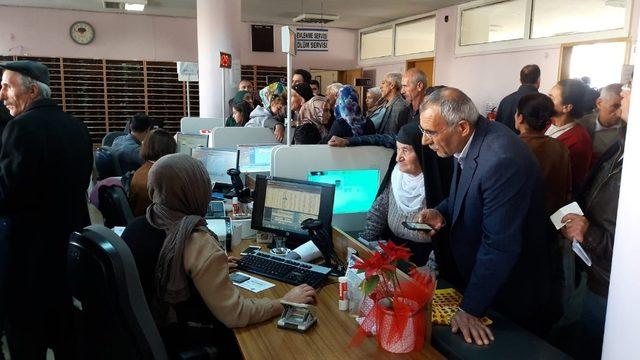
(183, 269)
(311, 112)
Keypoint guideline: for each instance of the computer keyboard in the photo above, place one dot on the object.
(283, 269)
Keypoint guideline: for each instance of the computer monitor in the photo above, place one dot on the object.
(356, 189)
(255, 158)
(217, 161)
(186, 142)
(280, 205)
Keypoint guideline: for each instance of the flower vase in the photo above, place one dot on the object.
(400, 325)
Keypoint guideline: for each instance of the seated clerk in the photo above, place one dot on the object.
(240, 112)
(240, 96)
(568, 98)
(157, 144)
(306, 134)
(126, 149)
(183, 269)
(316, 112)
(271, 113)
(349, 119)
(401, 196)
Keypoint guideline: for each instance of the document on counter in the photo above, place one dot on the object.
(556, 219)
(253, 284)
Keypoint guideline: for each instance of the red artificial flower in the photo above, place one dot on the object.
(374, 265)
(395, 252)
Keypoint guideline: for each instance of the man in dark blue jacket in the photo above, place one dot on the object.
(494, 213)
(530, 83)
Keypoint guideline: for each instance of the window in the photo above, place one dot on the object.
(376, 44)
(491, 23)
(416, 36)
(586, 60)
(553, 17)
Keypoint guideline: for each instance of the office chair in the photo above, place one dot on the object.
(106, 163)
(114, 205)
(110, 313)
(108, 139)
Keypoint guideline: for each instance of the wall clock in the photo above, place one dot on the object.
(82, 32)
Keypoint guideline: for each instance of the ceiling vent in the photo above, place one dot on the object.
(124, 4)
(315, 18)
(113, 4)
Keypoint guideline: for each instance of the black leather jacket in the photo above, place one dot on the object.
(600, 204)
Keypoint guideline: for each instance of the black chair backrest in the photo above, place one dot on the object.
(108, 139)
(114, 205)
(106, 163)
(111, 316)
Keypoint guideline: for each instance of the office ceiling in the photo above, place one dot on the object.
(354, 14)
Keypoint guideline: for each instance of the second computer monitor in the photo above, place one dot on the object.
(255, 158)
(186, 142)
(217, 161)
(356, 189)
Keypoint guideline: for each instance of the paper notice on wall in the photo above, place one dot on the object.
(187, 71)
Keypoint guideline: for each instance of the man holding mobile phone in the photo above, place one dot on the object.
(495, 214)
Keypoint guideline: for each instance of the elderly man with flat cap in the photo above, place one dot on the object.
(45, 165)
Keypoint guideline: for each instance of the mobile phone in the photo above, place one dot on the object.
(238, 278)
(250, 250)
(416, 226)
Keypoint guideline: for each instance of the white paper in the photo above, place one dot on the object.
(580, 252)
(118, 230)
(254, 284)
(308, 251)
(572, 208)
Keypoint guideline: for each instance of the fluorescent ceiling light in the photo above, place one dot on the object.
(134, 7)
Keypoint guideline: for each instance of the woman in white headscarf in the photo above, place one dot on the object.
(401, 197)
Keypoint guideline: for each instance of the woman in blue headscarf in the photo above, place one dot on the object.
(349, 120)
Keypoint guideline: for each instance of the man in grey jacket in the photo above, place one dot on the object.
(603, 123)
(126, 148)
(397, 109)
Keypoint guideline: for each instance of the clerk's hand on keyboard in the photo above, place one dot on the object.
(302, 294)
(232, 261)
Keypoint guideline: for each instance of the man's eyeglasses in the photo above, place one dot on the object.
(427, 133)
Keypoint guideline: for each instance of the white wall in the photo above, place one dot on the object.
(382, 70)
(45, 32)
(487, 77)
(342, 54)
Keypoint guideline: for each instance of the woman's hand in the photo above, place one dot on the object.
(301, 294)
(232, 261)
